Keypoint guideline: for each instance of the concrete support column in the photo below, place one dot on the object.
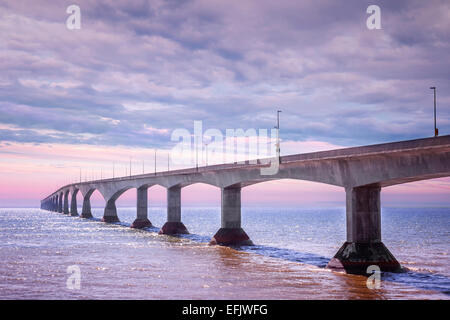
(363, 211)
(86, 211)
(173, 224)
(141, 209)
(60, 203)
(66, 203)
(73, 204)
(363, 246)
(110, 213)
(231, 232)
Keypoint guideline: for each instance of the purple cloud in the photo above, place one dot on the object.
(163, 64)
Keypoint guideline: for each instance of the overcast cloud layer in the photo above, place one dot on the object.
(139, 69)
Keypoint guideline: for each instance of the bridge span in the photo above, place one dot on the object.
(362, 171)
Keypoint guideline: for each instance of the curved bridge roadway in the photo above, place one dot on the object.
(362, 171)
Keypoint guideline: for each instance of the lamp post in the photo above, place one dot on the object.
(278, 136)
(155, 162)
(436, 130)
(206, 147)
(196, 152)
(130, 167)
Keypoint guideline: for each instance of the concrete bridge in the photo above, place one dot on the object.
(362, 171)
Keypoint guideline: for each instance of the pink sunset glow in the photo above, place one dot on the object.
(29, 172)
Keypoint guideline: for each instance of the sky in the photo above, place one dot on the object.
(80, 102)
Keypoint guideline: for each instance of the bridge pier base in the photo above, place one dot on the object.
(231, 232)
(174, 224)
(142, 209)
(110, 213)
(363, 247)
(86, 211)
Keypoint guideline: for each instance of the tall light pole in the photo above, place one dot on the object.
(155, 162)
(113, 169)
(196, 152)
(168, 166)
(130, 167)
(206, 147)
(278, 136)
(436, 130)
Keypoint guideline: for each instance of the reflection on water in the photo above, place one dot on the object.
(293, 246)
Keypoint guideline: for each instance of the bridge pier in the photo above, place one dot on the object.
(363, 246)
(110, 213)
(86, 210)
(173, 224)
(142, 209)
(60, 203)
(66, 202)
(231, 232)
(73, 204)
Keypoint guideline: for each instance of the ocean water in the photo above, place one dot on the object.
(292, 248)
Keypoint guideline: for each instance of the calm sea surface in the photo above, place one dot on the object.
(292, 248)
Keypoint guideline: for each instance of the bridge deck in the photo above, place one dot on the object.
(442, 142)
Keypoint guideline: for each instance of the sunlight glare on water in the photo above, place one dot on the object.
(292, 248)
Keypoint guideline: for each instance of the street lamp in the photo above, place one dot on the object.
(155, 162)
(196, 152)
(80, 173)
(278, 135)
(436, 130)
(130, 167)
(206, 147)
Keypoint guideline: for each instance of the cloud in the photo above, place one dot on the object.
(164, 64)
